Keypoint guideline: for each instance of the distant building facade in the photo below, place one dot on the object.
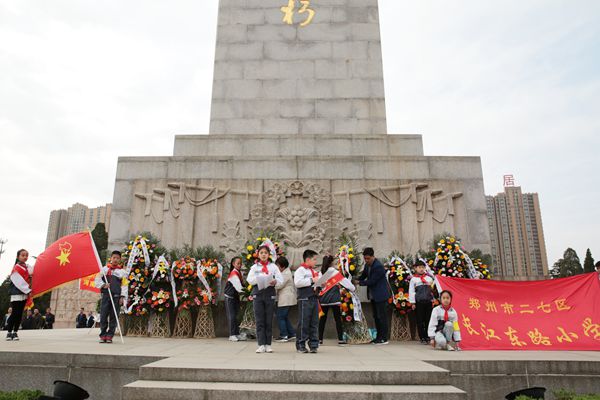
(67, 300)
(517, 234)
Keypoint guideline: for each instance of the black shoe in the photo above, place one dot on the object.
(108, 340)
(342, 342)
(381, 343)
(313, 351)
(302, 350)
(9, 336)
(320, 342)
(291, 338)
(15, 336)
(282, 339)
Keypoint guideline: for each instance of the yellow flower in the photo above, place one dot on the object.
(250, 247)
(352, 306)
(350, 255)
(249, 287)
(352, 268)
(350, 249)
(249, 256)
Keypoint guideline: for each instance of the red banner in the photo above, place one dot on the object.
(68, 259)
(87, 284)
(556, 314)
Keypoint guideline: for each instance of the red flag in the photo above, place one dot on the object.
(69, 258)
(555, 314)
(87, 284)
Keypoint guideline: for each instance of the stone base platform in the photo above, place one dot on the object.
(147, 369)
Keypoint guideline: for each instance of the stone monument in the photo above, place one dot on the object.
(298, 144)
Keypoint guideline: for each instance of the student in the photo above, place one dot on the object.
(110, 277)
(420, 296)
(20, 288)
(308, 303)
(286, 298)
(443, 325)
(330, 299)
(81, 319)
(264, 299)
(233, 288)
(374, 277)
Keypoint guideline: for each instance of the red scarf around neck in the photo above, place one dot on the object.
(111, 268)
(265, 266)
(312, 271)
(423, 278)
(446, 312)
(234, 272)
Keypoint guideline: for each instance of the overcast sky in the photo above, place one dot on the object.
(82, 82)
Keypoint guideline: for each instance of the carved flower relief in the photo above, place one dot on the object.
(296, 188)
(297, 217)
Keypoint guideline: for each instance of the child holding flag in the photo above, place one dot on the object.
(308, 303)
(20, 289)
(443, 325)
(263, 276)
(109, 282)
(420, 295)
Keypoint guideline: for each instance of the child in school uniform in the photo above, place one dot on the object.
(286, 299)
(109, 281)
(264, 299)
(305, 278)
(232, 291)
(20, 289)
(420, 295)
(443, 325)
(330, 299)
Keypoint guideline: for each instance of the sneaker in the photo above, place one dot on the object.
(108, 340)
(449, 348)
(15, 336)
(381, 343)
(291, 338)
(261, 349)
(102, 339)
(282, 339)
(9, 336)
(233, 338)
(241, 338)
(302, 350)
(321, 341)
(457, 347)
(342, 342)
(268, 349)
(313, 351)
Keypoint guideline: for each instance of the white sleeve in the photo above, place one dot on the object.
(236, 283)
(281, 285)
(120, 273)
(411, 291)
(277, 274)
(30, 269)
(348, 284)
(302, 279)
(20, 283)
(252, 275)
(98, 281)
(456, 334)
(433, 322)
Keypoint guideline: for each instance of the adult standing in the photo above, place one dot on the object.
(49, 319)
(38, 321)
(91, 320)
(6, 317)
(28, 322)
(375, 279)
(81, 320)
(20, 288)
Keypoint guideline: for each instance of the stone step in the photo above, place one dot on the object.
(173, 390)
(190, 370)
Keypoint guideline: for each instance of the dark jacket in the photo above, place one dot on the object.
(91, 321)
(375, 279)
(81, 321)
(49, 320)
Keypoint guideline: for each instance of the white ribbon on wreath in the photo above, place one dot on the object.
(135, 252)
(201, 268)
(344, 263)
(219, 280)
(175, 300)
(357, 307)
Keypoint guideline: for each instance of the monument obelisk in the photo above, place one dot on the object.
(298, 144)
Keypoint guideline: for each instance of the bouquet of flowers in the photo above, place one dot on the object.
(246, 294)
(209, 272)
(482, 269)
(347, 261)
(141, 250)
(186, 298)
(347, 306)
(399, 277)
(140, 310)
(160, 301)
(161, 270)
(450, 259)
(185, 269)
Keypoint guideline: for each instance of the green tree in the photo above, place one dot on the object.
(569, 265)
(588, 262)
(100, 237)
(4, 296)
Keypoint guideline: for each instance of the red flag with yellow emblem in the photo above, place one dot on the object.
(69, 258)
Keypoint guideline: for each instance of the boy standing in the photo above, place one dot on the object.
(308, 304)
(420, 295)
(110, 277)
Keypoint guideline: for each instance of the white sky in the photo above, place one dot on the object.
(82, 82)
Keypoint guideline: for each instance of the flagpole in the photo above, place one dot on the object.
(109, 291)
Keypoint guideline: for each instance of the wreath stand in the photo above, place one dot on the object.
(205, 325)
(137, 326)
(400, 329)
(358, 331)
(248, 323)
(159, 325)
(123, 323)
(183, 324)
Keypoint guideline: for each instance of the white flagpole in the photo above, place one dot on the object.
(109, 291)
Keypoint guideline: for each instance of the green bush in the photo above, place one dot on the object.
(21, 395)
(563, 394)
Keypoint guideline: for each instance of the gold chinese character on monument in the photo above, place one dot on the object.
(288, 12)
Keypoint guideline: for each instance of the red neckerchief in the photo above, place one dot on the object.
(21, 269)
(423, 278)
(234, 272)
(265, 268)
(312, 271)
(111, 268)
(446, 312)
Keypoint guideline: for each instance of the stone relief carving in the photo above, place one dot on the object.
(306, 215)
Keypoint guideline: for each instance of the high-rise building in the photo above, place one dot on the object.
(68, 299)
(517, 234)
